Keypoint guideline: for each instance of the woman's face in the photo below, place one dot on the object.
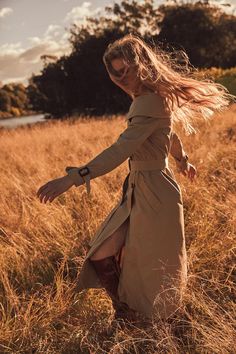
(124, 76)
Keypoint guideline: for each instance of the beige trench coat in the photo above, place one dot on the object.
(147, 223)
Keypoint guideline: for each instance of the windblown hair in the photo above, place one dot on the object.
(187, 99)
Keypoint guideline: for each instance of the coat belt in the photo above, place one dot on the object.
(145, 165)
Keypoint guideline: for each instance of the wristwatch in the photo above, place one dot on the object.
(83, 171)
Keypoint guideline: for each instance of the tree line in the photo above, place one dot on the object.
(14, 100)
(79, 84)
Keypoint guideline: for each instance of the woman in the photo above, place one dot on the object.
(138, 253)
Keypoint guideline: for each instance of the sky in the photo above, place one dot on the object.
(31, 28)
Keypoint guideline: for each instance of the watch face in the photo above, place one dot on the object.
(84, 171)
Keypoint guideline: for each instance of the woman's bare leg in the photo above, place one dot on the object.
(113, 243)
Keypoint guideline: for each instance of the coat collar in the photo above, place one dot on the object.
(149, 104)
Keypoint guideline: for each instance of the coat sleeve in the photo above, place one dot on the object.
(139, 129)
(177, 151)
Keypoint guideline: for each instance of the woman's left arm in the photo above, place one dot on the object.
(139, 129)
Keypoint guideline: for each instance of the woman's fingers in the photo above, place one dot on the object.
(192, 173)
(52, 189)
(53, 195)
(42, 189)
(56, 194)
(45, 194)
(41, 195)
(50, 196)
(46, 191)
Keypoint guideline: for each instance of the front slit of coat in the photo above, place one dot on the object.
(88, 277)
(116, 247)
(114, 243)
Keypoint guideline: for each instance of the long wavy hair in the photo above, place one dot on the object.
(186, 98)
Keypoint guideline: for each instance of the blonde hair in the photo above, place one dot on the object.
(185, 98)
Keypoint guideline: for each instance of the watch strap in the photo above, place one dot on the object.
(78, 179)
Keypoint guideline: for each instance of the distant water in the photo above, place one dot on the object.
(15, 122)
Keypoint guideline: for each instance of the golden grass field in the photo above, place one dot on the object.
(43, 245)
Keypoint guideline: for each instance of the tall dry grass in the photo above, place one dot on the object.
(42, 245)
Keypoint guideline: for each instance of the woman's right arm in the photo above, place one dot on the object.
(181, 158)
(177, 152)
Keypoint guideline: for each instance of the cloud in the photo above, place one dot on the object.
(11, 48)
(5, 11)
(79, 13)
(17, 62)
(32, 55)
(53, 31)
(11, 67)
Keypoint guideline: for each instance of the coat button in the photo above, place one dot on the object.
(132, 185)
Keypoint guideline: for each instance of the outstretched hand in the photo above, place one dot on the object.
(54, 188)
(189, 171)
